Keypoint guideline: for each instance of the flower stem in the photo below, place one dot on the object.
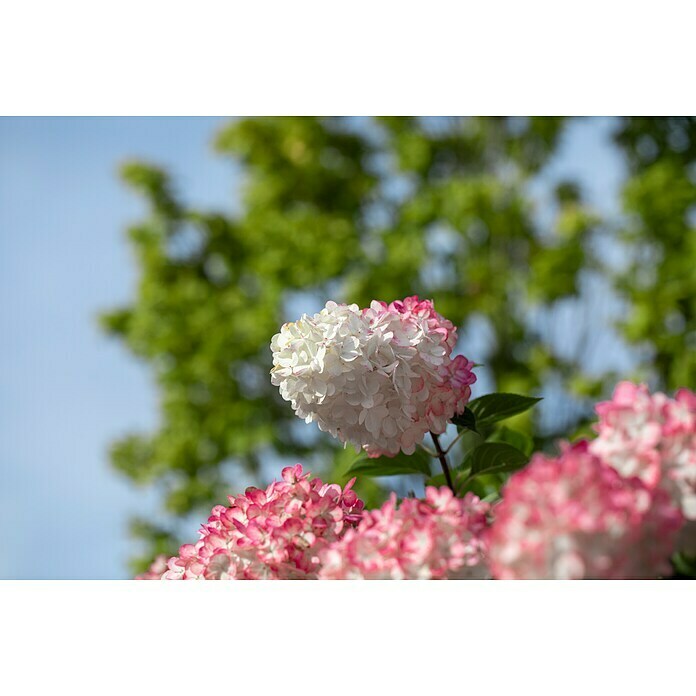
(442, 456)
(456, 440)
(427, 450)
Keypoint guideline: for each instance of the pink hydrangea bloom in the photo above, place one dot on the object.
(156, 570)
(276, 533)
(653, 437)
(378, 377)
(574, 517)
(439, 537)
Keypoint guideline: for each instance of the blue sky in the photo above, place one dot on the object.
(66, 390)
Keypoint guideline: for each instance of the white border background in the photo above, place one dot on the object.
(215, 57)
(335, 638)
(360, 57)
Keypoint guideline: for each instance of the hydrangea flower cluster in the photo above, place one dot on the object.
(156, 570)
(379, 378)
(275, 533)
(439, 537)
(652, 437)
(574, 517)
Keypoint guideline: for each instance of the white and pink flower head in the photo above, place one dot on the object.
(276, 533)
(439, 537)
(379, 378)
(574, 517)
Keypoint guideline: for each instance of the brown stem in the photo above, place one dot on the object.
(442, 456)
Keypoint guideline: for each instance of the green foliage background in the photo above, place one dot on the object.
(357, 209)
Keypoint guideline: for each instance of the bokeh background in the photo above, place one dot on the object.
(146, 262)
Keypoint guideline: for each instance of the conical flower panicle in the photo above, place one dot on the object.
(379, 378)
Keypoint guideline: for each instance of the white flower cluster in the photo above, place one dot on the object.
(379, 378)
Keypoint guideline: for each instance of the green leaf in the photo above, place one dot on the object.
(402, 464)
(518, 440)
(466, 420)
(437, 481)
(684, 565)
(491, 408)
(495, 457)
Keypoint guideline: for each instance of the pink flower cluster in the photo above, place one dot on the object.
(439, 537)
(574, 517)
(156, 570)
(304, 529)
(652, 437)
(275, 533)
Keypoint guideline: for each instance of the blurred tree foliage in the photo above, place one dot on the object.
(659, 279)
(356, 209)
